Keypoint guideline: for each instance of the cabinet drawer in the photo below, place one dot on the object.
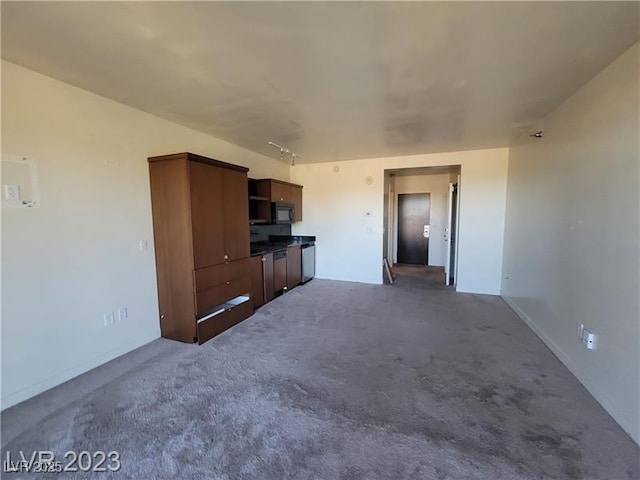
(214, 296)
(208, 277)
(211, 327)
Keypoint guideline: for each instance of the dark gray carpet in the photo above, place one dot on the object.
(340, 380)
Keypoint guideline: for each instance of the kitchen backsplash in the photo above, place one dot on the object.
(260, 233)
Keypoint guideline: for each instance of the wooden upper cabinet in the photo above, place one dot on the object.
(236, 215)
(279, 191)
(207, 214)
(296, 195)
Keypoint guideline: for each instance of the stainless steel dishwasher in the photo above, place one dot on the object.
(308, 262)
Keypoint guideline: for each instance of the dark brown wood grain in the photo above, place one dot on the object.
(296, 199)
(257, 280)
(269, 292)
(279, 274)
(173, 248)
(294, 267)
(207, 214)
(236, 214)
(279, 191)
(200, 219)
(197, 158)
(218, 324)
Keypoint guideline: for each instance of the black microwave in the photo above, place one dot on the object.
(282, 213)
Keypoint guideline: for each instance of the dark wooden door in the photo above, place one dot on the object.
(279, 192)
(296, 197)
(257, 281)
(413, 228)
(171, 231)
(294, 267)
(236, 214)
(268, 277)
(279, 274)
(207, 215)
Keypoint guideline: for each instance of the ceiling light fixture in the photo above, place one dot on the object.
(538, 134)
(285, 151)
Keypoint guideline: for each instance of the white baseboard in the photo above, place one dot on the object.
(476, 290)
(54, 380)
(583, 377)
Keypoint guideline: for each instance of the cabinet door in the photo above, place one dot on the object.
(207, 221)
(296, 194)
(279, 274)
(267, 267)
(257, 280)
(236, 215)
(280, 192)
(294, 267)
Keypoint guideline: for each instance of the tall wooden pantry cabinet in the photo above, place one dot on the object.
(201, 233)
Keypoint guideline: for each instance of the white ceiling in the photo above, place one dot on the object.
(328, 80)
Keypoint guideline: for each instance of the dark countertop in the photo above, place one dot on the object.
(280, 242)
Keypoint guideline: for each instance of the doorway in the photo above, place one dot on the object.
(421, 218)
(414, 212)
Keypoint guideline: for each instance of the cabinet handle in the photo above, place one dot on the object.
(228, 283)
(226, 257)
(161, 316)
(264, 259)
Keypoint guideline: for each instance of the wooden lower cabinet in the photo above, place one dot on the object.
(275, 272)
(294, 267)
(267, 265)
(211, 327)
(279, 271)
(257, 281)
(262, 279)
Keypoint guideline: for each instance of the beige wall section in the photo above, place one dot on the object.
(572, 235)
(346, 214)
(67, 262)
(438, 187)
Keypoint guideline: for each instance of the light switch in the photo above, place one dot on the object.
(12, 192)
(144, 245)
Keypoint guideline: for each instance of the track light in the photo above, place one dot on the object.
(285, 151)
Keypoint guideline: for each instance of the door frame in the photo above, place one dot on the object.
(453, 247)
(390, 202)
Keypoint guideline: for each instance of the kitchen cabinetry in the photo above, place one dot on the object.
(294, 266)
(267, 266)
(279, 270)
(257, 280)
(262, 279)
(279, 191)
(200, 218)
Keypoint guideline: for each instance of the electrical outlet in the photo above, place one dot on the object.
(122, 313)
(109, 319)
(589, 339)
(144, 245)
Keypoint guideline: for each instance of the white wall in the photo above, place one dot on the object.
(572, 235)
(438, 187)
(77, 256)
(349, 245)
